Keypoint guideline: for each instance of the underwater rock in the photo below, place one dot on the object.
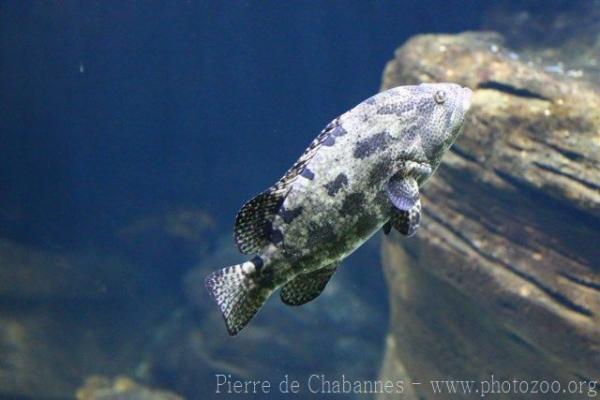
(121, 388)
(503, 277)
(58, 321)
(47, 349)
(42, 357)
(58, 318)
(25, 351)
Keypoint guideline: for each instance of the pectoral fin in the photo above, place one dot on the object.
(387, 227)
(403, 192)
(306, 287)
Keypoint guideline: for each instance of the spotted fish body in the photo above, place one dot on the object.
(362, 173)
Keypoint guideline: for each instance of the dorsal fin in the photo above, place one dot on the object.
(253, 222)
(253, 225)
(311, 150)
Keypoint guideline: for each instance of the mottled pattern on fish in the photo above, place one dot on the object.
(362, 173)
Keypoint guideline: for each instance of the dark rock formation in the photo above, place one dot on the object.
(503, 276)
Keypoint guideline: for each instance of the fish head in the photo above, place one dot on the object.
(428, 117)
(440, 109)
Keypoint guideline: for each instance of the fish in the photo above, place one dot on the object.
(360, 175)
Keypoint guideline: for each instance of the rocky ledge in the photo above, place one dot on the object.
(503, 277)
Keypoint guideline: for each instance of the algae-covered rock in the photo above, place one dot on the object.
(503, 276)
(121, 388)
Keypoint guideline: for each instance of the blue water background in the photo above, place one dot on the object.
(114, 111)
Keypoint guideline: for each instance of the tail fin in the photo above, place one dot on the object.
(238, 295)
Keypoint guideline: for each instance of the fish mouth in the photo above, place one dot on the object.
(462, 105)
(466, 98)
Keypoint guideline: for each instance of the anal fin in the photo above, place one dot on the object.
(306, 287)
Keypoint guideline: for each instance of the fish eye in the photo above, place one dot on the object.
(440, 97)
